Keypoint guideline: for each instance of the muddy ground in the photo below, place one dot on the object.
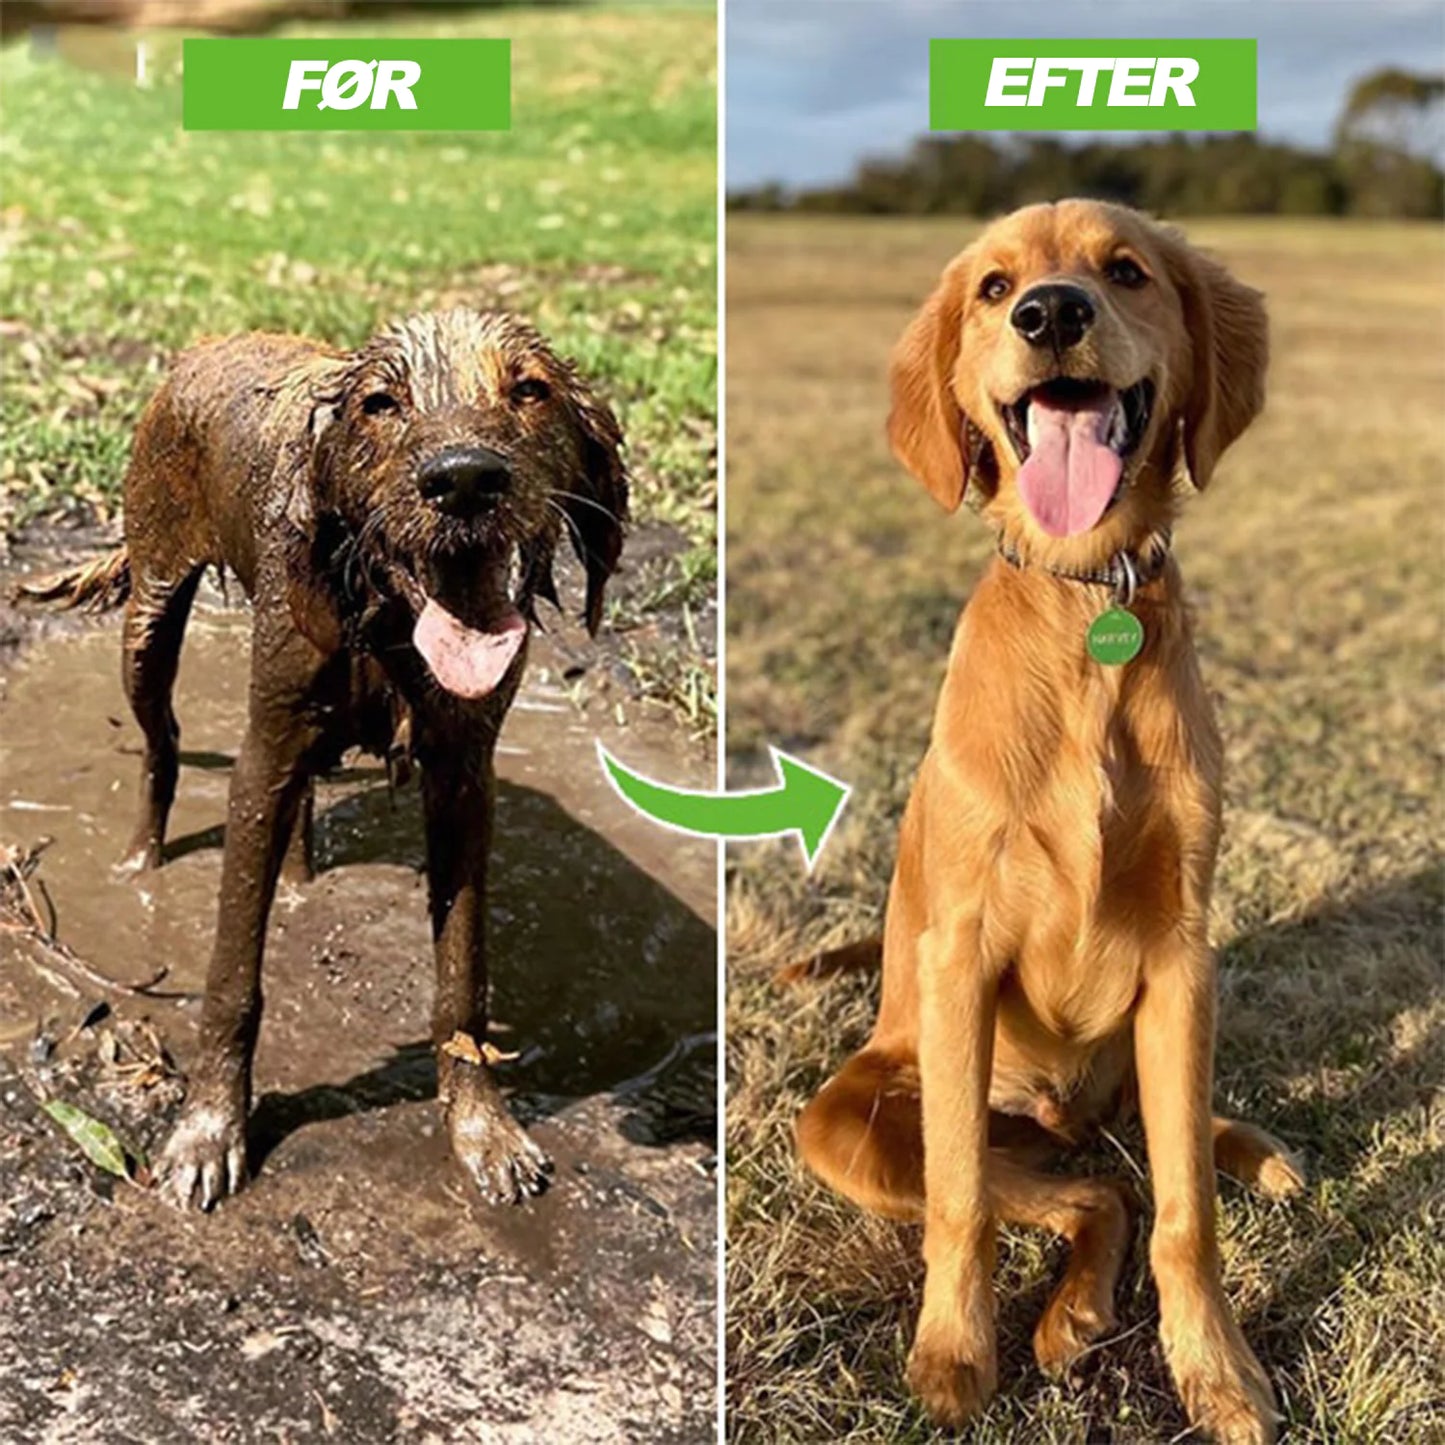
(355, 1290)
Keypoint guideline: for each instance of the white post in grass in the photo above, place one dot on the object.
(140, 63)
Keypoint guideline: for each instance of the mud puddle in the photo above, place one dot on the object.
(355, 1290)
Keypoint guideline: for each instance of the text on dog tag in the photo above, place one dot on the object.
(1115, 637)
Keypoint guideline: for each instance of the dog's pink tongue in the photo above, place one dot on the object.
(1071, 471)
(465, 660)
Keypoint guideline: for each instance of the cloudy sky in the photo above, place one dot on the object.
(812, 85)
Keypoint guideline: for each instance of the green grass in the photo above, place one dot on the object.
(123, 237)
(1314, 565)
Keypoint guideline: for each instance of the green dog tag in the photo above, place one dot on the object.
(1115, 637)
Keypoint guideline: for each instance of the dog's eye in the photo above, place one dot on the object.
(995, 286)
(1124, 272)
(378, 402)
(531, 388)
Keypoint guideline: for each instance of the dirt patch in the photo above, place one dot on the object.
(355, 1290)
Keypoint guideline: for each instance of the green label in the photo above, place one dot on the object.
(1092, 84)
(1115, 637)
(348, 83)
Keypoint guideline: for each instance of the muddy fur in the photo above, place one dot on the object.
(341, 489)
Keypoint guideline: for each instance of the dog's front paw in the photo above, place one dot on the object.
(143, 855)
(1225, 1390)
(953, 1382)
(205, 1158)
(499, 1156)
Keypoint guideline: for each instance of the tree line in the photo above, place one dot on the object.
(1382, 162)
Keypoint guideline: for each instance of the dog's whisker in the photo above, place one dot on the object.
(587, 502)
(572, 529)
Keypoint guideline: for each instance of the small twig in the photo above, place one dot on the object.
(23, 862)
(20, 867)
(1108, 1341)
(52, 923)
(67, 958)
(55, 980)
(1125, 1154)
(17, 867)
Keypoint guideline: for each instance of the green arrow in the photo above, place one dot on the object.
(807, 803)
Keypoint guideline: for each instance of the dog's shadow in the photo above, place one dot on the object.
(601, 973)
(1341, 994)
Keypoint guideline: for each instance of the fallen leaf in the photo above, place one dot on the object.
(464, 1047)
(97, 1141)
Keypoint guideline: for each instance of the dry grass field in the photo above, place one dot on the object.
(1315, 562)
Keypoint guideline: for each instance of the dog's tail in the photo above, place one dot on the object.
(865, 955)
(94, 586)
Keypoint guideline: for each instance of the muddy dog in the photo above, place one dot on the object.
(392, 513)
(1045, 953)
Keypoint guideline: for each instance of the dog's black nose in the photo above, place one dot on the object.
(463, 481)
(1056, 316)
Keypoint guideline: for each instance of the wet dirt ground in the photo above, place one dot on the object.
(355, 1290)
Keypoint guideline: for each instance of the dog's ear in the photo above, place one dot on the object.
(927, 429)
(595, 501)
(294, 485)
(1229, 343)
(312, 603)
(300, 500)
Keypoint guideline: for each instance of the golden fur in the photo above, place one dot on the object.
(1045, 957)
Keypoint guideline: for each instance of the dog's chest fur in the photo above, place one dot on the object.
(1082, 805)
(1087, 846)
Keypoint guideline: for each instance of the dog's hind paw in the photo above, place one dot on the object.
(205, 1158)
(1071, 1324)
(499, 1156)
(1257, 1159)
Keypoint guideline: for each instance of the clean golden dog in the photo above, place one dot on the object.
(1045, 956)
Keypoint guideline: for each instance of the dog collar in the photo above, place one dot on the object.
(1124, 573)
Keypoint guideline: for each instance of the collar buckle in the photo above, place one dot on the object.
(1126, 578)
